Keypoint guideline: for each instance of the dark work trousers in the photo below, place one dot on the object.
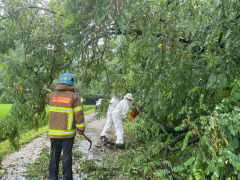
(57, 145)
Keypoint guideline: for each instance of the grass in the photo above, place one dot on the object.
(5, 146)
(4, 109)
(87, 109)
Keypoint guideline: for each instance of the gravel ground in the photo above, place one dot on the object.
(15, 163)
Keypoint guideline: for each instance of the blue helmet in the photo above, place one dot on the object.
(66, 78)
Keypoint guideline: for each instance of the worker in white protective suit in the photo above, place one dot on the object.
(109, 122)
(118, 114)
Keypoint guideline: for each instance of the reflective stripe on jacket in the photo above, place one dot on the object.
(66, 113)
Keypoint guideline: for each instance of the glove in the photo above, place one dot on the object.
(131, 119)
(128, 117)
(80, 132)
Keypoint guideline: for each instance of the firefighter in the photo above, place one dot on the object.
(65, 120)
(112, 104)
(118, 114)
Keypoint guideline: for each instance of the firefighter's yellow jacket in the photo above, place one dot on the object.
(66, 113)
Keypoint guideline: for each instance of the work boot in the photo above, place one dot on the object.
(120, 146)
(104, 138)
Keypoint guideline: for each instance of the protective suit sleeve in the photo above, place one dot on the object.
(112, 100)
(78, 113)
(125, 109)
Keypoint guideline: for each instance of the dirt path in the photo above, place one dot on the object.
(15, 163)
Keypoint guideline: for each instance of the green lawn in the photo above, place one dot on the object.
(87, 109)
(4, 109)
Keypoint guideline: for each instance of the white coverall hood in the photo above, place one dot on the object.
(129, 96)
